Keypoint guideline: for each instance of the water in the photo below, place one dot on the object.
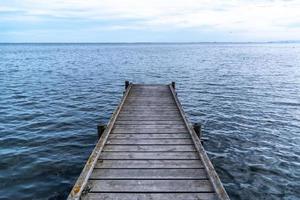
(247, 96)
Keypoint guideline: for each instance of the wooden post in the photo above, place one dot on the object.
(197, 128)
(101, 129)
(126, 84)
(173, 85)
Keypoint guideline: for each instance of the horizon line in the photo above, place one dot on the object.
(210, 42)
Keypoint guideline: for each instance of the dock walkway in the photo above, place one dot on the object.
(148, 151)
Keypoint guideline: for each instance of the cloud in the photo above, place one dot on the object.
(254, 20)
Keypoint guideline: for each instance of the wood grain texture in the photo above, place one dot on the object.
(153, 174)
(167, 148)
(150, 196)
(149, 126)
(150, 130)
(149, 136)
(150, 186)
(147, 122)
(149, 118)
(140, 164)
(165, 141)
(149, 155)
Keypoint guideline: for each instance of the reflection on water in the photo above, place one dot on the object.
(246, 96)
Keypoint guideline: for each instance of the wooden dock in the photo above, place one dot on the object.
(148, 150)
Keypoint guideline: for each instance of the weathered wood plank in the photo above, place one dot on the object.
(149, 86)
(148, 136)
(150, 118)
(157, 101)
(149, 126)
(153, 107)
(150, 89)
(155, 110)
(148, 164)
(158, 174)
(149, 155)
(150, 196)
(147, 115)
(150, 98)
(147, 122)
(149, 103)
(169, 148)
(150, 130)
(160, 97)
(165, 107)
(150, 186)
(149, 141)
(150, 112)
(142, 112)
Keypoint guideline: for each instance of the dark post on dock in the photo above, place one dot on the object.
(148, 150)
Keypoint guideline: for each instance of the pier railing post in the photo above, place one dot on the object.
(173, 85)
(101, 129)
(126, 84)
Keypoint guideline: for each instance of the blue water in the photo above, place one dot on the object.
(247, 96)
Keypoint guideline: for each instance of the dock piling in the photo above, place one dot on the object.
(197, 128)
(101, 129)
(173, 85)
(126, 84)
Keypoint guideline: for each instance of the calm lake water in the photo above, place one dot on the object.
(247, 96)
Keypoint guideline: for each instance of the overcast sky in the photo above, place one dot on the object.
(149, 20)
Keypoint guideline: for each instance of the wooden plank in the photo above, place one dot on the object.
(140, 164)
(148, 155)
(169, 148)
(150, 112)
(150, 196)
(146, 86)
(150, 98)
(147, 122)
(150, 130)
(150, 118)
(148, 115)
(149, 126)
(148, 136)
(150, 186)
(150, 107)
(151, 93)
(153, 98)
(149, 141)
(150, 103)
(150, 89)
(142, 174)
(157, 101)
(156, 108)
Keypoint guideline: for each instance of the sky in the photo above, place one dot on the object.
(149, 20)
